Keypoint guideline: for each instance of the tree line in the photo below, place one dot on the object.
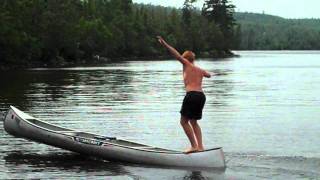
(266, 32)
(65, 32)
(60, 32)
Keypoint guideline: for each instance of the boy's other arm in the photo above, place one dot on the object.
(206, 74)
(173, 51)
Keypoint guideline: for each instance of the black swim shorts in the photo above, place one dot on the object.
(193, 104)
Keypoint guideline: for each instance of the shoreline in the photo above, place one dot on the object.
(101, 60)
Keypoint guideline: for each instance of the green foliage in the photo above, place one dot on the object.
(187, 12)
(221, 12)
(60, 32)
(266, 32)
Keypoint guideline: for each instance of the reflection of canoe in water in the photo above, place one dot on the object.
(20, 124)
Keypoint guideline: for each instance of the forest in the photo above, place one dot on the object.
(42, 33)
(267, 32)
(66, 32)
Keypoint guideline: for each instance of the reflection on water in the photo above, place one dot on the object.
(64, 161)
(76, 165)
(221, 88)
(194, 175)
(259, 109)
(22, 88)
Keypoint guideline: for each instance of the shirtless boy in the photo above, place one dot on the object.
(194, 100)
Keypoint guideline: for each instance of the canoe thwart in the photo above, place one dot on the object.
(105, 138)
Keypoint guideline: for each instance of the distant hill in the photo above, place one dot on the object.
(264, 32)
(256, 18)
(271, 19)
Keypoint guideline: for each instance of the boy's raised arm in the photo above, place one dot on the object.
(172, 50)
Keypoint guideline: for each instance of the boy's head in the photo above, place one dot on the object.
(189, 55)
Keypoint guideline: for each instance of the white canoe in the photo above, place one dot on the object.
(20, 124)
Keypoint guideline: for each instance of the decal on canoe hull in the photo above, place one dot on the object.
(87, 141)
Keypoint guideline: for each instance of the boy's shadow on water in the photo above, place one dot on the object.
(204, 175)
(72, 161)
(194, 175)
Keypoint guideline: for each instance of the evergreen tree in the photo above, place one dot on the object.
(221, 12)
(186, 11)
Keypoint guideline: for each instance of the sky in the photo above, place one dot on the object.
(283, 8)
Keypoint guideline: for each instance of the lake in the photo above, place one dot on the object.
(262, 108)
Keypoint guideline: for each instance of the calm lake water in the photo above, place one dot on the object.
(262, 108)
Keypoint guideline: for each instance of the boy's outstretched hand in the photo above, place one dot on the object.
(161, 40)
(172, 50)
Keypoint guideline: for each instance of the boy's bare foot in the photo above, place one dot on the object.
(190, 150)
(200, 149)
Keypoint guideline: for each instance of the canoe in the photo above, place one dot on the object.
(20, 124)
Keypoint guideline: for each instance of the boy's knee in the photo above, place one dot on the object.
(183, 121)
(193, 122)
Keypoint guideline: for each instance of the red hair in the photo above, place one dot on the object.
(189, 55)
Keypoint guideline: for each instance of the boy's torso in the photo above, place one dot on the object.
(192, 77)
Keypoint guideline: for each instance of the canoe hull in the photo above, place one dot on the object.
(20, 124)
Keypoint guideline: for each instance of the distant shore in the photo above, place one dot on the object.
(60, 62)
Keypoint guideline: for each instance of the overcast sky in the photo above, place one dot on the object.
(283, 8)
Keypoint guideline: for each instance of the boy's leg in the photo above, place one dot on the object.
(190, 134)
(197, 131)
